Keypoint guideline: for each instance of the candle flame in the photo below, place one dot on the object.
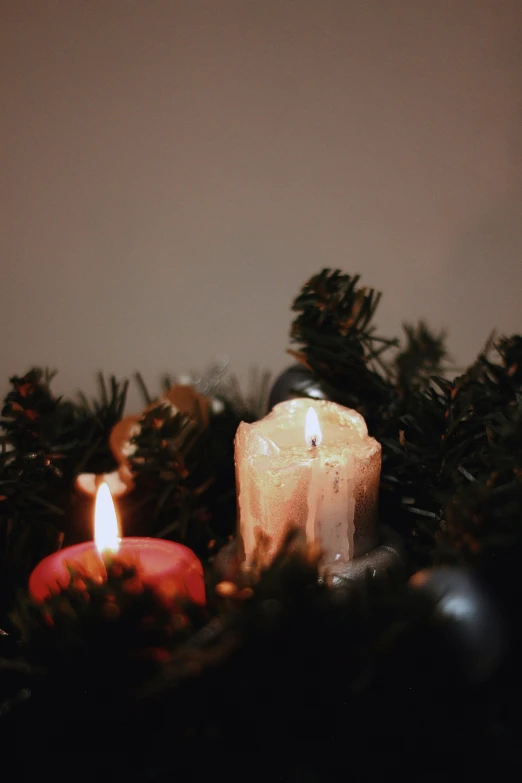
(106, 533)
(313, 434)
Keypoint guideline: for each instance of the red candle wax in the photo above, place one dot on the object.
(172, 569)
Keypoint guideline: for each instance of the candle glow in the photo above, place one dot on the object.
(313, 434)
(106, 532)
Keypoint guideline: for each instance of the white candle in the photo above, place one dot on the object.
(308, 464)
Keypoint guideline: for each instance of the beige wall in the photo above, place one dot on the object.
(172, 170)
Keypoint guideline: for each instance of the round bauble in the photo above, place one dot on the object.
(468, 616)
(295, 381)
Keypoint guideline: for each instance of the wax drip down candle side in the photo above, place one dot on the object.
(308, 464)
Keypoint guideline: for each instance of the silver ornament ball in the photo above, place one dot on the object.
(469, 616)
(295, 381)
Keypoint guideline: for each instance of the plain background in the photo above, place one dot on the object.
(171, 172)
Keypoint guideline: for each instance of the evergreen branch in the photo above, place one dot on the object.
(147, 399)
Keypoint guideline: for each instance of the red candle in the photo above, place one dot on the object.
(172, 569)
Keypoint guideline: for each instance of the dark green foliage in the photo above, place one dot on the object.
(119, 638)
(337, 342)
(97, 644)
(288, 666)
(420, 359)
(458, 439)
(284, 659)
(250, 404)
(47, 441)
(442, 439)
(184, 478)
(184, 468)
(183, 465)
(269, 654)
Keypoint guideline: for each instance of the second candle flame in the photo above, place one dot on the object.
(313, 434)
(106, 533)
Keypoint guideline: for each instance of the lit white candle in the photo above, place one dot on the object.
(308, 464)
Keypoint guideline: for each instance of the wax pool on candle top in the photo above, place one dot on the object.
(329, 489)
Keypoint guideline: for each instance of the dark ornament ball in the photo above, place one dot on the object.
(295, 381)
(469, 619)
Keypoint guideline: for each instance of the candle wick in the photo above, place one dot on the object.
(314, 441)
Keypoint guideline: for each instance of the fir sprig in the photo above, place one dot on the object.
(97, 641)
(285, 657)
(47, 441)
(185, 486)
(337, 340)
(419, 359)
(439, 436)
(184, 476)
(457, 439)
